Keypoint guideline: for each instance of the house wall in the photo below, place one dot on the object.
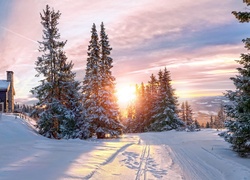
(4, 98)
(7, 93)
(1, 108)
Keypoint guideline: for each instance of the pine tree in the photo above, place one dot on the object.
(239, 109)
(183, 113)
(57, 116)
(207, 125)
(100, 104)
(211, 124)
(91, 85)
(140, 108)
(107, 99)
(151, 100)
(166, 112)
(70, 97)
(131, 123)
(187, 116)
(197, 124)
(220, 118)
(202, 125)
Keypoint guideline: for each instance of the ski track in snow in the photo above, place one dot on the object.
(136, 161)
(142, 170)
(167, 155)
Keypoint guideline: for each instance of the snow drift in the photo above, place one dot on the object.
(24, 154)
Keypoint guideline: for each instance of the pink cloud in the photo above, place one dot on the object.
(132, 26)
(169, 19)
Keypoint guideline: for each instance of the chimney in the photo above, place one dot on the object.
(10, 76)
(246, 1)
(11, 93)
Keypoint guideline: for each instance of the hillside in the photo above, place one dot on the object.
(205, 107)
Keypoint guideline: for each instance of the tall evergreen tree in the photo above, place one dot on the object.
(70, 97)
(91, 85)
(100, 104)
(211, 124)
(57, 119)
(220, 118)
(207, 125)
(183, 112)
(187, 116)
(197, 124)
(165, 115)
(108, 101)
(131, 123)
(239, 109)
(140, 108)
(151, 100)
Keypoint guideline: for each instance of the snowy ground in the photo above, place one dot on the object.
(25, 155)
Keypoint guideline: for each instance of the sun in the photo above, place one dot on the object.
(125, 94)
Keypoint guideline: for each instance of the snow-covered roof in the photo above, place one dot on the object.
(4, 85)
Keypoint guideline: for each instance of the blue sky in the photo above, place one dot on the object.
(197, 41)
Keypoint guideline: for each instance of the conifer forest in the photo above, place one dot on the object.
(70, 109)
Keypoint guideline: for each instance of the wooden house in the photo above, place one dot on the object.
(7, 93)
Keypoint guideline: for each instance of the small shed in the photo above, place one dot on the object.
(7, 93)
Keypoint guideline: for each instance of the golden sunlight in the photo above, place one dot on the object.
(125, 94)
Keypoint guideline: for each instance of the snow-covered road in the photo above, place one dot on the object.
(171, 155)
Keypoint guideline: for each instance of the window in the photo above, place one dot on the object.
(1, 107)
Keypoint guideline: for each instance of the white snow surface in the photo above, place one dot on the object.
(25, 155)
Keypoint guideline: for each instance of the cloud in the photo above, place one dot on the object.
(208, 69)
(169, 20)
(155, 36)
(196, 40)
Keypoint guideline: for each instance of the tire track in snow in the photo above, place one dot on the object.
(195, 167)
(186, 164)
(211, 153)
(110, 159)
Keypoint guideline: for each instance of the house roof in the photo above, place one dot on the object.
(4, 85)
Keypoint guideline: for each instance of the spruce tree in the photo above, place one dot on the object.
(187, 116)
(151, 97)
(140, 108)
(207, 125)
(100, 105)
(91, 86)
(197, 124)
(211, 124)
(109, 118)
(131, 123)
(221, 117)
(70, 97)
(239, 109)
(183, 113)
(57, 119)
(166, 112)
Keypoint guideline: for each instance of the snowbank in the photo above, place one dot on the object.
(24, 154)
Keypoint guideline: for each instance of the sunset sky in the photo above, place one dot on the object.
(198, 41)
